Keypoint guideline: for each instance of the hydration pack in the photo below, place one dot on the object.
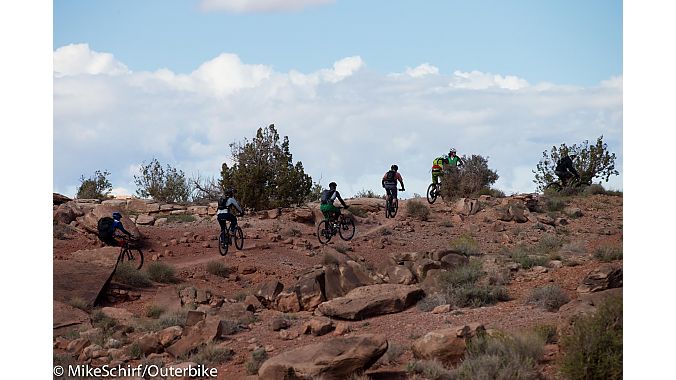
(222, 203)
(326, 197)
(105, 227)
(391, 176)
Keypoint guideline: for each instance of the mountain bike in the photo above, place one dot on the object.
(343, 226)
(391, 206)
(433, 191)
(226, 238)
(575, 185)
(127, 249)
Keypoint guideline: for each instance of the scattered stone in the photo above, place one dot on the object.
(318, 326)
(441, 309)
(607, 276)
(446, 345)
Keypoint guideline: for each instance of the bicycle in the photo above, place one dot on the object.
(126, 253)
(225, 239)
(343, 226)
(574, 185)
(391, 206)
(433, 191)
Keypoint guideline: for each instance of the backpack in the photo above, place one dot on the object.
(391, 176)
(105, 227)
(222, 203)
(326, 197)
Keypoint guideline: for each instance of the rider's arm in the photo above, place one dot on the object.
(460, 162)
(237, 206)
(120, 227)
(401, 180)
(341, 199)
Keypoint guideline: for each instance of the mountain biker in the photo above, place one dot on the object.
(565, 169)
(326, 204)
(224, 215)
(107, 227)
(438, 164)
(389, 182)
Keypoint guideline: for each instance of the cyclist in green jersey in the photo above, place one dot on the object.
(451, 159)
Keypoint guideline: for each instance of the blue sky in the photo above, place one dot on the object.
(181, 80)
(567, 42)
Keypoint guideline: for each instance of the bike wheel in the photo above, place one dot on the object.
(239, 238)
(431, 193)
(554, 186)
(134, 256)
(346, 228)
(387, 209)
(222, 244)
(395, 208)
(324, 232)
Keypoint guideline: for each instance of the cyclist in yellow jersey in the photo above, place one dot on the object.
(438, 164)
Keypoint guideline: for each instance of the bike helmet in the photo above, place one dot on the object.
(395, 167)
(452, 150)
(229, 192)
(117, 216)
(333, 184)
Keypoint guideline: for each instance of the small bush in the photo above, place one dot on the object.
(367, 194)
(474, 176)
(134, 350)
(466, 245)
(477, 296)
(495, 193)
(95, 187)
(547, 333)
(446, 223)
(79, 303)
(181, 218)
(549, 297)
(386, 231)
(554, 204)
(417, 209)
(430, 301)
(594, 349)
(547, 245)
(162, 272)
(523, 256)
(126, 274)
(501, 357)
(258, 357)
(614, 193)
(154, 311)
(429, 369)
(218, 268)
(104, 322)
(595, 188)
(211, 354)
(463, 275)
(607, 254)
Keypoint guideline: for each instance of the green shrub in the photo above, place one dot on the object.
(595, 188)
(495, 193)
(594, 349)
(417, 209)
(523, 256)
(211, 354)
(607, 254)
(104, 322)
(170, 186)
(501, 357)
(547, 332)
(474, 177)
(218, 268)
(555, 203)
(95, 187)
(549, 297)
(258, 357)
(614, 193)
(429, 369)
(134, 350)
(430, 301)
(79, 303)
(127, 274)
(162, 272)
(459, 287)
(154, 311)
(466, 245)
(462, 275)
(547, 245)
(367, 194)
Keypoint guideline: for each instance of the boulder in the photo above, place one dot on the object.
(287, 302)
(585, 304)
(117, 203)
(422, 266)
(318, 326)
(67, 318)
(144, 219)
(607, 276)
(268, 291)
(401, 257)
(123, 316)
(310, 289)
(303, 215)
(372, 300)
(454, 260)
(467, 206)
(399, 274)
(446, 345)
(168, 335)
(68, 212)
(345, 276)
(89, 220)
(149, 343)
(335, 359)
(203, 332)
(59, 198)
(517, 213)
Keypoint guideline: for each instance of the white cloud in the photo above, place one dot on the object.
(242, 6)
(476, 80)
(422, 70)
(344, 123)
(76, 59)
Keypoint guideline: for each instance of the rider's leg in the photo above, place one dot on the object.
(233, 221)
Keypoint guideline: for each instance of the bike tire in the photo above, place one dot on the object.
(387, 209)
(222, 246)
(346, 228)
(324, 232)
(395, 208)
(128, 255)
(431, 193)
(239, 238)
(554, 186)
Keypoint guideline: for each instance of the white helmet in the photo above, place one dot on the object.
(452, 150)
